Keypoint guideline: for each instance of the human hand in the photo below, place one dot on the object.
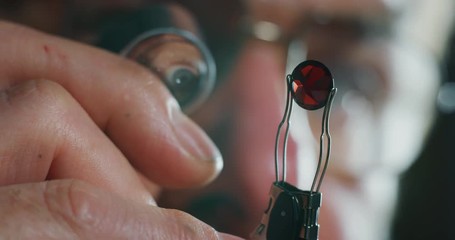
(70, 111)
(71, 209)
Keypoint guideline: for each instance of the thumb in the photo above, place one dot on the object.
(71, 209)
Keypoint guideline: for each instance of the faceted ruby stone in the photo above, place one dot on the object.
(311, 83)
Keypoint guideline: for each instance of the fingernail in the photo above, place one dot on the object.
(193, 140)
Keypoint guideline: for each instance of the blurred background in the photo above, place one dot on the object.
(427, 189)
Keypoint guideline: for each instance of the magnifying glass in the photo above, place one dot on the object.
(156, 38)
(180, 59)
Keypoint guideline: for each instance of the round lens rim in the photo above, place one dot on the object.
(208, 78)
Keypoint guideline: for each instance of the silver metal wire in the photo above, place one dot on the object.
(324, 133)
(285, 142)
(285, 119)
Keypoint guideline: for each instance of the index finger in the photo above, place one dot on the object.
(128, 102)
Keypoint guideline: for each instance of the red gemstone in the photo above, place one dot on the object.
(311, 83)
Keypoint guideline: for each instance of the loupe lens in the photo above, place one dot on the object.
(180, 59)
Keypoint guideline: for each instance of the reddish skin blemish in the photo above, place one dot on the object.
(46, 49)
(49, 51)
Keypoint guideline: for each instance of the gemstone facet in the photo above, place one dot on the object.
(310, 84)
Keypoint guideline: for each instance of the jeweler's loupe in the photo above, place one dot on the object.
(180, 59)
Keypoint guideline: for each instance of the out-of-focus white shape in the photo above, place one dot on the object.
(410, 107)
(296, 54)
(361, 150)
(396, 5)
(266, 31)
(446, 98)
(306, 154)
(431, 23)
(381, 192)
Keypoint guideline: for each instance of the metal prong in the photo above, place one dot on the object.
(324, 132)
(285, 142)
(286, 116)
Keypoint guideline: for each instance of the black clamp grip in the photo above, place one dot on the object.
(292, 214)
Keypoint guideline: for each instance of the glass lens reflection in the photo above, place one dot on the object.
(180, 60)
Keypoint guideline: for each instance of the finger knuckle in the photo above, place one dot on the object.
(40, 100)
(74, 201)
(34, 95)
(33, 126)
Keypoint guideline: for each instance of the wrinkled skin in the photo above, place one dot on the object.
(58, 125)
(114, 142)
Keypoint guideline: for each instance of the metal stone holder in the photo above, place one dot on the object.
(293, 213)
